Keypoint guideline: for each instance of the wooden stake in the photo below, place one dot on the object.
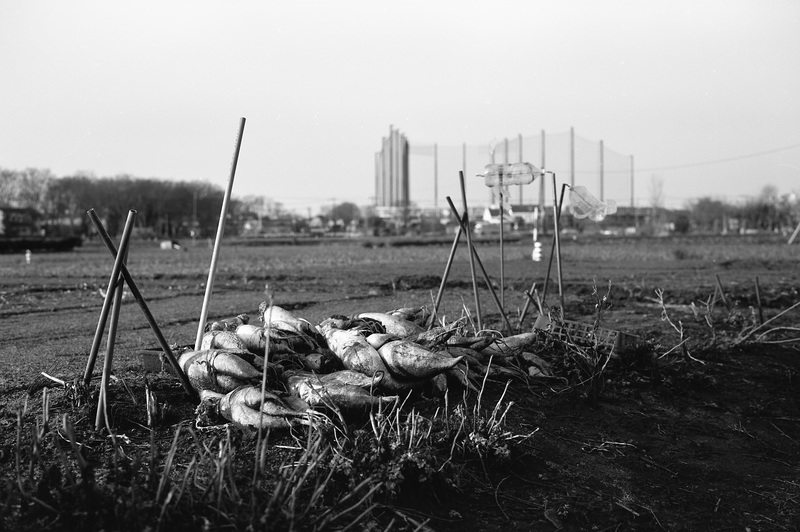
(502, 239)
(721, 292)
(558, 244)
(113, 281)
(794, 235)
(112, 326)
(549, 267)
(446, 274)
(758, 302)
(467, 229)
(212, 270)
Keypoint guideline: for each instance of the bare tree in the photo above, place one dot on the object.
(656, 191)
(32, 188)
(9, 186)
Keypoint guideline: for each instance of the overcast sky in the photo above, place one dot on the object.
(157, 89)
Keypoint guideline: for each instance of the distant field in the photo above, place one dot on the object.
(93, 259)
(674, 444)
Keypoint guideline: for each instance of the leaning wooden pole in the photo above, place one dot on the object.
(794, 235)
(549, 267)
(112, 326)
(445, 275)
(115, 280)
(552, 250)
(557, 237)
(143, 304)
(471, 254)
(502, 239)
(212, 270)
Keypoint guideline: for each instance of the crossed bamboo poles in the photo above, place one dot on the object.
(113, 299)
(464, 229)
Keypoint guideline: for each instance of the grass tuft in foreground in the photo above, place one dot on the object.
(69, 477)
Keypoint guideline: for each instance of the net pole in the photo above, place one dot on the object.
(602, 176)
(572, 157)
(436, 177)
(519, 141)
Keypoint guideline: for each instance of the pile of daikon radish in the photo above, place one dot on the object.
(284, 371)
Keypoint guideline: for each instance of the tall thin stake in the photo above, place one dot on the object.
(549, 267)
(502, 239)
(102, 400)
(212, 270)
(471, 254)
(721, 291)
(758, 302)
(446, 274)
(114, 281)
(112, 326)
(558, 243)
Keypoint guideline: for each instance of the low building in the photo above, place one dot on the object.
(20, 222)
(516, 214)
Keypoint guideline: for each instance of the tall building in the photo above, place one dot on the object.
(391, 171)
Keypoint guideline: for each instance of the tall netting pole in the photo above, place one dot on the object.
(436, 178)
(541, 183)
(572, 157)
(519, 140)
(464, 158)
(602, 177)
(633, 204)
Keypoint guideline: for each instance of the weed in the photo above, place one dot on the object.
(584, 359)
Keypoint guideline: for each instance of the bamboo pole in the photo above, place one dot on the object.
(556, 214)
(721, 291)
(446, 274)
(794, 235)
(474, 255)
(549, 267)
(469, 243)
(117, 289)
(552, 249)
(102, 400)
(212, 270)
(115, 280)
(502, 239)
(519, 141)
(758, 302)
(143, 305)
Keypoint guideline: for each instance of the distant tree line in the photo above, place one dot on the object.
(164, 208)
(170, 209)
(769, 212)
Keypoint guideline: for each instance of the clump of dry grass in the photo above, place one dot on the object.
(71, 477)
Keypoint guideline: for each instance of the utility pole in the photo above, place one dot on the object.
(602, 184)
(541, 181)
(632, 194)
(519, 140)
(572, 157)
(436, 178)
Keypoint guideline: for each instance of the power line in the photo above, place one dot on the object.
(718, 161)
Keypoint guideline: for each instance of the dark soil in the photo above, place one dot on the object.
(702, 438)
